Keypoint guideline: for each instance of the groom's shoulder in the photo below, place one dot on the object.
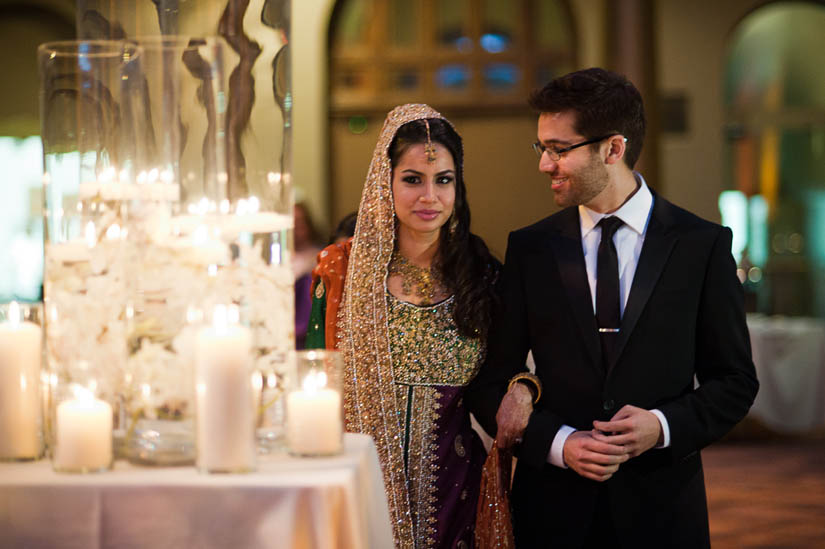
(681, 219)
(551, 224)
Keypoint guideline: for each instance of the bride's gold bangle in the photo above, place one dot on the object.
(531, 378)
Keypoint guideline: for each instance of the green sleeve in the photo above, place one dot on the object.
(317, 317)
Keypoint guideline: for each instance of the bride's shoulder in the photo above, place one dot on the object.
(333, 259)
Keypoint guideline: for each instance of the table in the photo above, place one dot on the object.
(327, 503)
(789, 355)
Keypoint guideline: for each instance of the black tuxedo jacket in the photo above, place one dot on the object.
(684, 320)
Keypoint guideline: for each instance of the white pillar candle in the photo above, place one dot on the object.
(20, 354)
(225, 397)
(74, 251)
(313, 417)
(258, 222)
(84, 434)
(108, 190)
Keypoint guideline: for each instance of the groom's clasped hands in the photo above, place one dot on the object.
(595, 454)
(598, 453)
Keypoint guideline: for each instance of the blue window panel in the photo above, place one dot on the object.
(453, 76)
(501, 76)
(494, 42)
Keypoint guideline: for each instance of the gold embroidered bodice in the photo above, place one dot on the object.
(426, 347)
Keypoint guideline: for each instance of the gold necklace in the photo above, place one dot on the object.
(420, 281)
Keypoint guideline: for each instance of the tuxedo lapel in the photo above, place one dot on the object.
(567, 247)
(658, 245)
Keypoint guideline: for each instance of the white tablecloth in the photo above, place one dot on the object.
(292, 503)
(789, 355)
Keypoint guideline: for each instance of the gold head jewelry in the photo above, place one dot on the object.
(419, 281)
(363, 332)
(429, 148)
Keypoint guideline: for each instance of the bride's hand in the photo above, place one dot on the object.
(513, 415)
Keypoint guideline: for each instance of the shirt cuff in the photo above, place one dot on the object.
(556, 455)
(665, 428)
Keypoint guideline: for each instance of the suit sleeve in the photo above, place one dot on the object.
(724, 367)
(507, 344)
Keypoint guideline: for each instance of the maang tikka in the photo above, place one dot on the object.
(429, 148)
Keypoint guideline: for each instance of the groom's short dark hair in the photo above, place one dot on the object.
(604, 102)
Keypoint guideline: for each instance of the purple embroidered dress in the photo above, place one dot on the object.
(432, 364)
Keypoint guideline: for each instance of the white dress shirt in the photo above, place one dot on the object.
(629, 238)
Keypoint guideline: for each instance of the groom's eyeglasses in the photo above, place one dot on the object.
(556, 154)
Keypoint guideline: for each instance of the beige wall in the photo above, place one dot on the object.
(310, 132)
(589, 18)
(692, 38)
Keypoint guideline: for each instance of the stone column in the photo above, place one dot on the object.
(631, 50)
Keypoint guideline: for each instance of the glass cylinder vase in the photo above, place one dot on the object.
(314, 405)
(82, 440)
(21, 403)
(88, 163)
(224, 237)
(218, 90)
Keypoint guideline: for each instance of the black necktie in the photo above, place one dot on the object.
(607, 288)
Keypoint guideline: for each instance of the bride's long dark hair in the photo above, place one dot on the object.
(469, 269)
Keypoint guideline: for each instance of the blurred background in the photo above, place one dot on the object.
(735, 95)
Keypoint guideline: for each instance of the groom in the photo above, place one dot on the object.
(634, 315)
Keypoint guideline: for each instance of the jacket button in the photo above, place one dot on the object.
(608, 404)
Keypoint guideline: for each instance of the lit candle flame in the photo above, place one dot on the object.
(91, 236)
(315, 381)
(82, 393)
(257, 381)
(113, 232)
(233, 314)
(219, 319)
(200, 236)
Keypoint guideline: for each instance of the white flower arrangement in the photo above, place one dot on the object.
(120, 310)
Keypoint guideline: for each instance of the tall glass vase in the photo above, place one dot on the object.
(89, 168)
(219, 241)
(217, 128)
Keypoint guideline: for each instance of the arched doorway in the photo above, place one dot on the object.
(775, 106)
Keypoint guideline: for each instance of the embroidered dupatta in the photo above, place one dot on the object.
(363, 334)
